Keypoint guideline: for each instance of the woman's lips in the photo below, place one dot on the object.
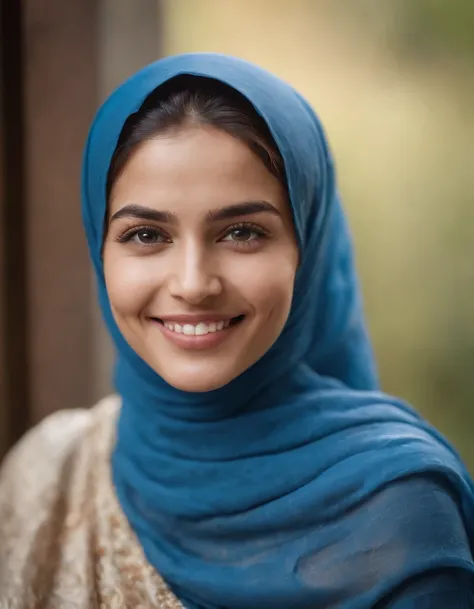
(189, 333)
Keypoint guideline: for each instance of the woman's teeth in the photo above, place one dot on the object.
(197, 329)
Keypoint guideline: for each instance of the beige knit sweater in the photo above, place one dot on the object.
(64, 541)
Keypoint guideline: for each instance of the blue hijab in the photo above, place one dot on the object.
(269, 492)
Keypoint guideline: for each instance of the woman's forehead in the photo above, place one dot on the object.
(194, 172)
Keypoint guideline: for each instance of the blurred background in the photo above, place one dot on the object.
(393, 82)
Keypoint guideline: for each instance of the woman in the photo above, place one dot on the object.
(249, 459)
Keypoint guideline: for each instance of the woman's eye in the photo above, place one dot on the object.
(143, 236)
(242, 234)
(148, 236)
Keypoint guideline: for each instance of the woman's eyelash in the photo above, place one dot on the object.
(250, 226)
(129, 234)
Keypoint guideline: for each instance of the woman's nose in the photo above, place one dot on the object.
(194, 278)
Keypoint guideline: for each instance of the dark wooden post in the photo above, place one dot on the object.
(14, 364)
(61, 94)
(58, 60)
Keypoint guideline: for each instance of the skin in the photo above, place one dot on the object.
(198, 262)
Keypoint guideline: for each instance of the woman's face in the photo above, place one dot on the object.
(199, 257)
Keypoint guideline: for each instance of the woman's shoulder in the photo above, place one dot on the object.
(37, 462)
(41, 453)
(50, 462)
(45, 486)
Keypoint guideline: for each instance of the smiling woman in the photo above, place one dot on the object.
(249, 458)
(189, 200)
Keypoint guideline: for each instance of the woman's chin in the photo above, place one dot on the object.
(197, 386)
(198, 381)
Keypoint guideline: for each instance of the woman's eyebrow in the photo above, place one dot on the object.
(236, 210)
(228, 212)
(144, 213)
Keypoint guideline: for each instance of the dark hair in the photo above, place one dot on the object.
(196, 100)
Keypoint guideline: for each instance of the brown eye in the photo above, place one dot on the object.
(245, 235)
(144, 236)
(147, 236)
(242, 234)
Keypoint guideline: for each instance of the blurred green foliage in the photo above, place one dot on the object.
(428, 355)
(433, 27)
(420, 30)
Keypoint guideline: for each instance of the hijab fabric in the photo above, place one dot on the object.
(235, 493)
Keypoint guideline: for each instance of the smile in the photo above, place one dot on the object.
(199, 329)
(198, 334)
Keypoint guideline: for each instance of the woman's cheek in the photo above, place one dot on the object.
(266, 280)
(130, 284)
